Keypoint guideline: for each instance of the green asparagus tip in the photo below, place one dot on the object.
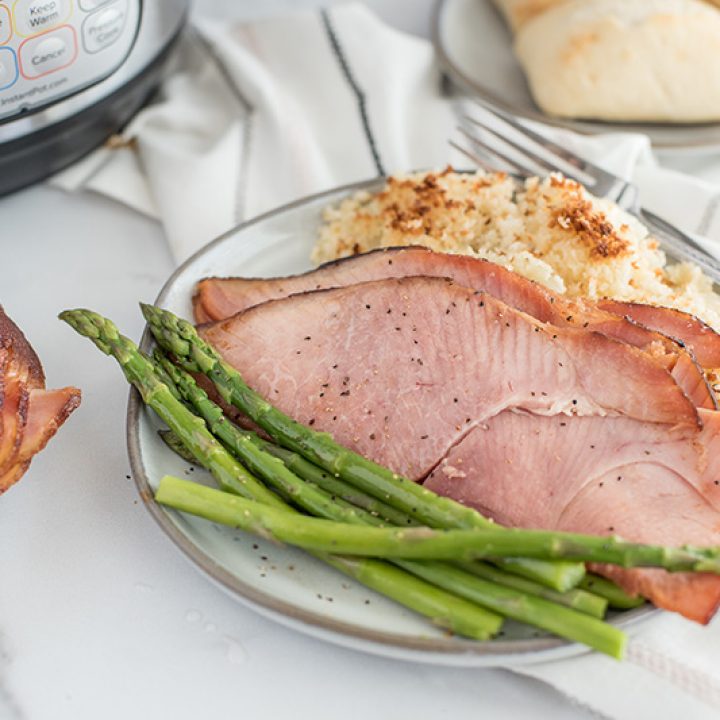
(169, 330)
(167, 320)
(91, 325)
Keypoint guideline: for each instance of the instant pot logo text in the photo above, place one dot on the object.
(36, 90)
(43, 14)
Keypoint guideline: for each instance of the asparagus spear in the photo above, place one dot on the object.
(180, 338)
(615, 595)
(233, 438)
(323, 479)
(444, 609)
(175, 444)
(262, 464)
(581, 600)
(193, 498)
(349, 567)
(191, 429)
(422, 543)
(511, 603)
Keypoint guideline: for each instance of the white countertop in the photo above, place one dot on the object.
(100, 615)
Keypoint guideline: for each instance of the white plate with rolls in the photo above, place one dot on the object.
(592, 66)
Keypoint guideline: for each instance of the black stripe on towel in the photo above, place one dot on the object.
(357, 90)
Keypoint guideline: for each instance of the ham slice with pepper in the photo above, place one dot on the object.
(530, 422)
(370, 361)
(220, 298)
(611, 475)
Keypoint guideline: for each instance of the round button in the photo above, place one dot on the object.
(104, 27)
(5, 25)
(8, 68)
(48, 52)
(36, 16)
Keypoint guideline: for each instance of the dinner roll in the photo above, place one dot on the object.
(655, 60)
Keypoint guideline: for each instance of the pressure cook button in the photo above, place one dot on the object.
(35, 16)
(104, 26)
(5, 25)
(48, 52)
(8, 68)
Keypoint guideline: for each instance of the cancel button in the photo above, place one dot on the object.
(47, 53)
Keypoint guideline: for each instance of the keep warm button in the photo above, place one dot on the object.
(34, 16)
(103, 27)
(48, 52)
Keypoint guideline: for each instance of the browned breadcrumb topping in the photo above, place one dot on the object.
(591, 226)
(419, 206)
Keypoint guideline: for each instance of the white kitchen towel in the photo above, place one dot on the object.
(261, 114)
(671, 670)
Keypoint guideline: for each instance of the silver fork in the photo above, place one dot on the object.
(525, 153)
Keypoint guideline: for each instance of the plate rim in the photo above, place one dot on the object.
(583, 127)
(450, 650)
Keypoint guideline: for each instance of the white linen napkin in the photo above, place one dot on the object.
(261, 114)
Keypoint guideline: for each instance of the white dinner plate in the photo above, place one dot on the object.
(475, 48)
(281, 582)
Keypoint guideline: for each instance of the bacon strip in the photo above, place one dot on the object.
(29, 414)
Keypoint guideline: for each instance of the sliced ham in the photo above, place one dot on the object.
(402, 369)
(29, 414)
(611, 475)
(693, 332)
(534, 425)
(220, 298)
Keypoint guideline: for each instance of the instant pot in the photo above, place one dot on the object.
(72, 72)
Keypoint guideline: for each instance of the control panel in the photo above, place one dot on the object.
(53, 48)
